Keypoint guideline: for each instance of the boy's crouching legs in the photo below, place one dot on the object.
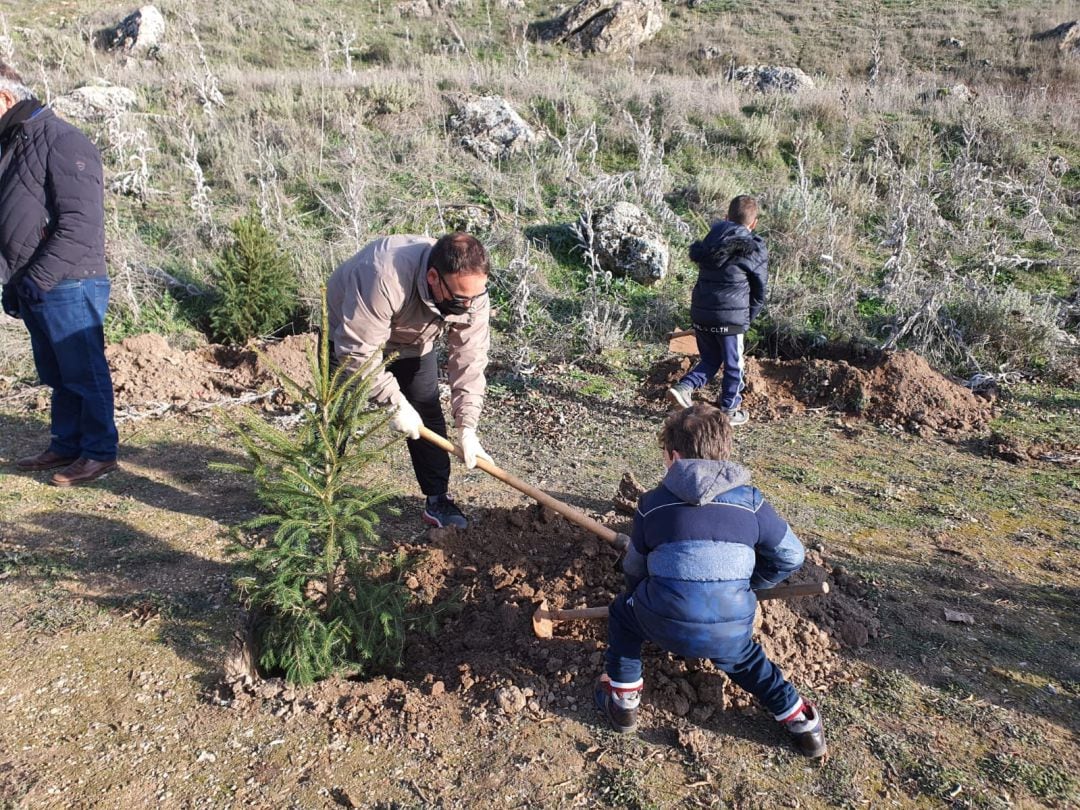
(618, 691)
(754, 672)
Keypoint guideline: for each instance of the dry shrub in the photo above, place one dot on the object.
(16, 359)
(1004, 330)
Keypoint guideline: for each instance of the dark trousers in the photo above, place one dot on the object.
(748, 666)
(418, 378)
(718, 351)
(68, 340)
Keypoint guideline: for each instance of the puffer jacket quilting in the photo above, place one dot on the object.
(701, 541)
(733, 271)
(52, 217)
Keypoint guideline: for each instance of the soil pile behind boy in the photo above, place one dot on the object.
(702, 542)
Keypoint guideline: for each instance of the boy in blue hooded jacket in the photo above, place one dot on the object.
(702, 543)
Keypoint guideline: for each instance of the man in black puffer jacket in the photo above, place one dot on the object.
(733, 265)
(52, 265)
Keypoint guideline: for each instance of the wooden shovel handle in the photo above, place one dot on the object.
(575, 516)
(576, 613)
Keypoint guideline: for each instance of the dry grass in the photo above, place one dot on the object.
(334, 124)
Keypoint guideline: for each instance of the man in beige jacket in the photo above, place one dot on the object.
(401, 293)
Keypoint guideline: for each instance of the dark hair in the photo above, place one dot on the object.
(743, 210)
(9, 73)
(458, 253)
(700, 431)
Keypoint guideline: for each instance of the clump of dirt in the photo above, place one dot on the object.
(664, 375)
(288, 356)
(897, 388)
(1016, 451)
(494, 576)
(147, 370)
(626, 499)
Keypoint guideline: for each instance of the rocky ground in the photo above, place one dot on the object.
(944, 659)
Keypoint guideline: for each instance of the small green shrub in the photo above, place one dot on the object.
(1009, 328)
(759, 138)
(320, 592)
(389, 99)
(255, 284)
(166, 316)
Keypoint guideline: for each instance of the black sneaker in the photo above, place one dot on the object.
(624, 719)
(807, 732)
(441, 511)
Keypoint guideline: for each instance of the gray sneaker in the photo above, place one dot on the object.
(441, 511)
(737, 416)
(681, 395)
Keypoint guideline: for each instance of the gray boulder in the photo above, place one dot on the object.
(628, 243)
(140, 31)
(489, 127)
(957, 92)
(94, 102)
(606, 26)
(772, 78)
(414, 8)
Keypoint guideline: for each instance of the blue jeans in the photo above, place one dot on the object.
(719, 351)
(748, 666)
(68, 339)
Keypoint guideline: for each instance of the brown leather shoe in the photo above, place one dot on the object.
(43, 461)
(83, 471)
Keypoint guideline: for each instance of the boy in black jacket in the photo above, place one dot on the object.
(733, 265)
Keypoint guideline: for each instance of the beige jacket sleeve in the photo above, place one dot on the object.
(468, 345)
(362, 333)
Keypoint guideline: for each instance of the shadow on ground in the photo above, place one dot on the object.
(98, 546)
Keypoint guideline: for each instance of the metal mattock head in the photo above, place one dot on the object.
(541, 619)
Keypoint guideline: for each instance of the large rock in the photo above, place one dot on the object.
(606, 26)
(489, 127)
(95, 102)
(139, 32)
(427, 8)
(957, 92)
(628, 243)
(772, 78)
(1067, 36)
(414, 8)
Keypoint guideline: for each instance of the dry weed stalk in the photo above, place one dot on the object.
(130, 147)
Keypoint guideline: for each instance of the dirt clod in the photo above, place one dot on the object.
(630, 490)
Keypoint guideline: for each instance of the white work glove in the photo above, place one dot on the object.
(471, 449)
(406, 420)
